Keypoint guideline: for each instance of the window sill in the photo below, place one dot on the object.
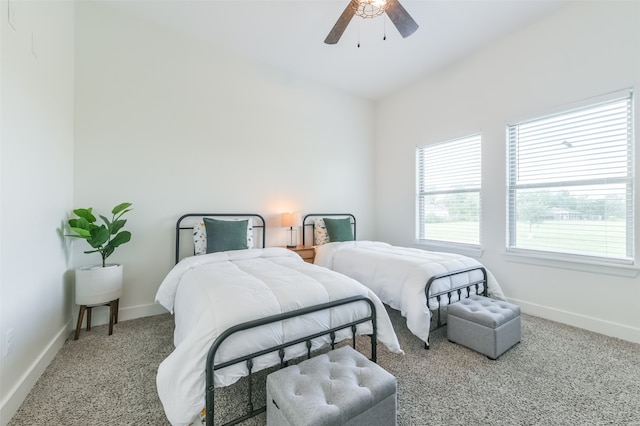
(463, 249)
(569, 262)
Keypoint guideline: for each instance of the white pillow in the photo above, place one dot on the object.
(320, 233)
(200, 236)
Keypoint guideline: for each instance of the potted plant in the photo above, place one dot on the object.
(100, 284)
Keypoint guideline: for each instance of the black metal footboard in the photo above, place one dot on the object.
(251, 411)
(460, 291)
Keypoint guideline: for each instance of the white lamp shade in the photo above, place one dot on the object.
(96, 285)
(290, 219)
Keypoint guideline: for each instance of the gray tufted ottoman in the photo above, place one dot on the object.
(341, 387)
(485, 325)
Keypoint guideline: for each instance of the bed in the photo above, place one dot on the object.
(242, 308)
(418, 283)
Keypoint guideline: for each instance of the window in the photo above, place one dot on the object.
(448, 186)
(570, 186)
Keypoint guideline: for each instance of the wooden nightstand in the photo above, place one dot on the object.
(307, 253)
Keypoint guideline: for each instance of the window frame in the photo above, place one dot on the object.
(472, 249)
(556, 257)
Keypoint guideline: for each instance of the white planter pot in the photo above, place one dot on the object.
(96, 285)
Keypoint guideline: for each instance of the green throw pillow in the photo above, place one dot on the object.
(223, 235)
(339, 229)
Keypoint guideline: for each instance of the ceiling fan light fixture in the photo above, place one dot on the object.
(370, 8)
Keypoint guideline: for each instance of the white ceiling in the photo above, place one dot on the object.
(288, 35)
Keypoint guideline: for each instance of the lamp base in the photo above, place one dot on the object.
(292, 241)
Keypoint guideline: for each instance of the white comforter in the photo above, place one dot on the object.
(398, 275)
(210, 293)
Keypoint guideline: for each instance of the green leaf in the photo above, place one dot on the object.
(82, 233)
(108, 250)
(121, 238)
(86, 214)
(122, 206)
(106, 221)
(99, 236)
(117, 225)
(80, 223)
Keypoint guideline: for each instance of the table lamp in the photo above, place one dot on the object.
(290, 220)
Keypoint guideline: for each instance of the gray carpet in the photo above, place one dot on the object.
(557, 375)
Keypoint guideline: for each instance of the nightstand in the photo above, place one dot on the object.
(307, 253)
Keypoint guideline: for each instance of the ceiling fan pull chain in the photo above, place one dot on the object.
(384, 28)
(358, 34)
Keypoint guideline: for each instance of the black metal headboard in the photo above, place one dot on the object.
(188, 219)
(311, 223)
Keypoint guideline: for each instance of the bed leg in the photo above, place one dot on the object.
(426, 345)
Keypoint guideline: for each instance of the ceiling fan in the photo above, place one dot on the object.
(369, 9)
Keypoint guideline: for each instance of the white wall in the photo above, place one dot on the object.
(36, 167)
(584, 50)
(174, 125)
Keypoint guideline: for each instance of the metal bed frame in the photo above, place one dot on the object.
(251, 411)
(460, 291)
(211, 365)
(257, 227)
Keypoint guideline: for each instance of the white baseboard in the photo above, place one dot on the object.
(596, 325)
(140, 311)
(100, 314)
(16, 396)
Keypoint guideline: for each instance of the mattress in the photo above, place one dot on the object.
(212, 292)
(398, 275)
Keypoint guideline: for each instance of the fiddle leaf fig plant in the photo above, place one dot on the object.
(103, 238)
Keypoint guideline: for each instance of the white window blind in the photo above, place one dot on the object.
(571, 181)
(448, 191)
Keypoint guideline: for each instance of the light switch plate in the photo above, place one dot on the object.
(8, 343)
(34, 45)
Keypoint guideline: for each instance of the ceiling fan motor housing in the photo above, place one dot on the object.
(370, 8)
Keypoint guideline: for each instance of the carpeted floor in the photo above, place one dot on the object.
(557, 375)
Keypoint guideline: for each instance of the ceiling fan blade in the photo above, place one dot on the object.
(341, 24)
(401, 19)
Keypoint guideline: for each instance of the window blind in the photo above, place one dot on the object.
(571, 181)
(448, 191)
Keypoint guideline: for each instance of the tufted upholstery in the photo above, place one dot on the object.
(485, 325)
(488, 312)
(337, 388)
